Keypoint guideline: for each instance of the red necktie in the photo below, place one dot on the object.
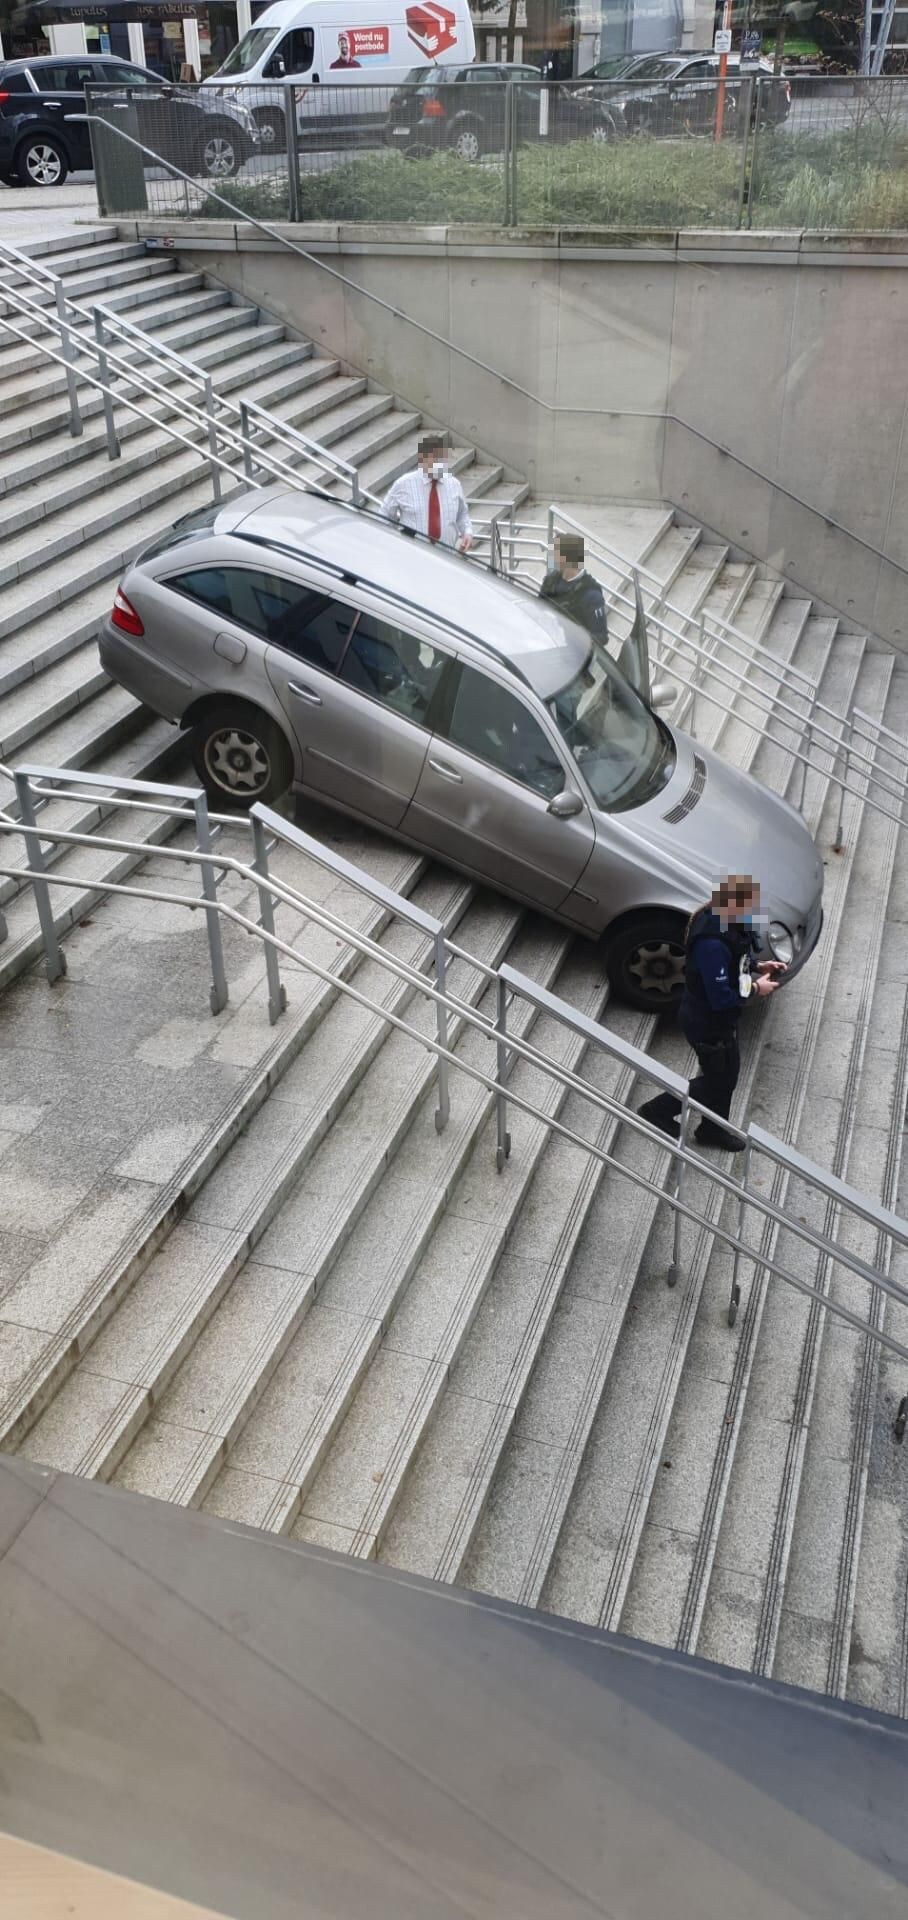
(434, 511)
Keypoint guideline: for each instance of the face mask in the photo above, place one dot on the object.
(439, 469)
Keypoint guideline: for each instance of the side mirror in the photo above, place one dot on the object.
(566, 804)
(663, 696)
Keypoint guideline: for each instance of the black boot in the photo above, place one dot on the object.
(710, 1135)
(659, 1114)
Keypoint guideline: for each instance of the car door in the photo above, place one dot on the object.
(359, 692)
(483, 797)
(63, 94)
(693, 96)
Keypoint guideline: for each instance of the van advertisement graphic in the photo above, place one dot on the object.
(432, 28)
(362, 46)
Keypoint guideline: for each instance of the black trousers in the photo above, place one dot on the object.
(719, 1062)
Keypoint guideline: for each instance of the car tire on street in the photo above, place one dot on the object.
(240, 756)
(644, 960)
(41, 162)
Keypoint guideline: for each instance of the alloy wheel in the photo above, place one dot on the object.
(43, 165)
(237, 762)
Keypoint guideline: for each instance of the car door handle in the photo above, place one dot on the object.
(447, 773)
(305, 693)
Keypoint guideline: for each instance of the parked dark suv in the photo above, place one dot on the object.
(463, 108)
(44, 131)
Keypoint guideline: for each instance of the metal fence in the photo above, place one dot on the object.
(755, 151)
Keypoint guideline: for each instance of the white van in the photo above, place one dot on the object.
(344, 60)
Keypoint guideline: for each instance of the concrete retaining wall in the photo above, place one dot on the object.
(786, 353)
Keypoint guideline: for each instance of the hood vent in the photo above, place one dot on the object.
(694, 793)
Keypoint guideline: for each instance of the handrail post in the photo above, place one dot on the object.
(503, 1148)
(34, 853)
(277, 993)
(113, 444)
(293, 160)
(248, 467)
(735, 1295)
(218, 995)
(66, 341)
(508, 141)
(674, 1268)
(847, 736)
(443, 1109)
(214, 468)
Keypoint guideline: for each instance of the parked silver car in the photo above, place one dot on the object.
(311, 645)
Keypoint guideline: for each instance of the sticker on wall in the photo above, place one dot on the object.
(432, 28)
(362, 46)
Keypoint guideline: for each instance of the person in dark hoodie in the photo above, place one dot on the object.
(573, 589)
(721, 973)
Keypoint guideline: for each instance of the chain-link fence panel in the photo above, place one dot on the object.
(838, 160)
(161, 150)
(638, 155)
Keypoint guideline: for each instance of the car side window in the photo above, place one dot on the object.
(475, 74)
(127, 77)
(295, 50)
(16, 83)
(77, 77)
(397, 668)
(495, 725)
(298, 619)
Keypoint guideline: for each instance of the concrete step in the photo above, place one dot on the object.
(40, 381)
(396, 1211)
(102, 1275)
(55, 446)
(99, 283)
(41, 248)
(131, 1368)
(164, 294)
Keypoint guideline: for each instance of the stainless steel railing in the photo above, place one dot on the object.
(688, 1175)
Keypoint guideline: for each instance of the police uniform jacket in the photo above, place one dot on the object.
(581, 598)
(719, 970)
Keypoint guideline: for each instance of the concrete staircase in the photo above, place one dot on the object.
(70, 518)
(249, 1276)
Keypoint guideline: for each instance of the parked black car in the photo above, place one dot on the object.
(672, 93)
(463, 109)
(44, 132)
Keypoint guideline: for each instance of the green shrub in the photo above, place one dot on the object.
(853, 181)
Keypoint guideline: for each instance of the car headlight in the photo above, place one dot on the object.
(781, 944)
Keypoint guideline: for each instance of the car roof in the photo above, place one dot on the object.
(523, 633)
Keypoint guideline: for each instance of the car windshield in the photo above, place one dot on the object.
(625, 754)
(249, 50)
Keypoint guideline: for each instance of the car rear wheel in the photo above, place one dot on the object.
(466, 143)
(40, 162)
(240, 756)
(220, 154)
(644, 960)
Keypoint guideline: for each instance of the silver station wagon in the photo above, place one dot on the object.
(310, 645)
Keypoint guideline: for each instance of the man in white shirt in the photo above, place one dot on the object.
(431, 500)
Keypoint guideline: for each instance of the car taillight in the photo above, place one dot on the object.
(124, 615)
(3, 96)
(433, 110)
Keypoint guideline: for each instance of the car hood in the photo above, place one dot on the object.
(716, 820)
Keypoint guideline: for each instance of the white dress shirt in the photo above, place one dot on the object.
(407, 502)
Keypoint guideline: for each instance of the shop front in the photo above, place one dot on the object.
(179, 39)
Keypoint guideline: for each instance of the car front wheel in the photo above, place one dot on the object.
(220, 154)
(240, 756)
(644, 960)
(40, 162)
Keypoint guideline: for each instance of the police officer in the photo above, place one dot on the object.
(573, 589)
(721, 973)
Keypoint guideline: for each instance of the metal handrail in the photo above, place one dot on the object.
(684, 1161)
(102, 320)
